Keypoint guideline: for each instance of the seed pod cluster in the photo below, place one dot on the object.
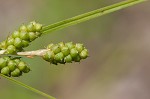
(65, 53)
(13, 67)
(21, 38)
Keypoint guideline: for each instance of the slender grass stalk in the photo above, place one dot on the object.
(89, 15)
(27, 87)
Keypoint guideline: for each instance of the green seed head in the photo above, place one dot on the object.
(49, 56)
(70, 45)
(30, 27)
(24, 35)
(11, 49)
(3, 45)
(38, 34)
(23, 28)
(5, 71)
(17, 60)
(79, 47)
(25, 43)
(16, 34)
(18, 43)
(59, 57)
(3, 63)
(10, 41)
(50, 46)
(56, 49)
(84, 54)
(61, 44)
(65, 51)
(22, 66)
(68, 59)
(73, 52)
(12, 65)
(26, 70)
(7, 58)
(33, 22)
(16, 73)
(38, 27)
(32, 36)
(77, 58)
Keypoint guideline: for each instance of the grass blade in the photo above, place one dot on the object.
(89, 15)
(27, 87)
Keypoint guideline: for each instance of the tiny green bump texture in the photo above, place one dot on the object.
(13, 67)
(21, 38)
(65, 53)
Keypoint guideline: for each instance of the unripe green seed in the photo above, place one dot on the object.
(56, 49)
(65, 51)
(77, 58)
(26, 70)
(68, 59)
(50, 46)
(3, 45)
(54, 62)
(70, 45)
(38, 27)
(11, 49)
(10, 41)
(84, 54)
(33, 22)
(6, 58)
(11, 65)
(49, 56)
(25, 43)
(22, 66)
(23, 28)
(24, 35)
(79, 47)
(16, 34)
(61, 44)
(5, 71)
(3, 63)
(16, 73)
(73, 52)
(30, 27)
(32, 36)
(59, 57)
(18, 43)
(17, 61)
(38, 34)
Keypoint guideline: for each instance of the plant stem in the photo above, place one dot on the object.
(28, 87)
(89, 15)
(40, 52)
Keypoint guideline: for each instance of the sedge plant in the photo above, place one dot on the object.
(12, 49)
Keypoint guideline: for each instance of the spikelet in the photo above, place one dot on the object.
(13, 67)
(21, 38)
(65, 53)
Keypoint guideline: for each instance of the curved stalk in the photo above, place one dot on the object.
(89, 15)
(27, 87)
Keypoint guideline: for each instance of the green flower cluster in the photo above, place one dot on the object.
(65, 53)
(13, 67)
(21, 38)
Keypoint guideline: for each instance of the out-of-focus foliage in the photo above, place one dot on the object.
(118, 43)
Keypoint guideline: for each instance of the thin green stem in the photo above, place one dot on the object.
(89, 15)
(28, 87)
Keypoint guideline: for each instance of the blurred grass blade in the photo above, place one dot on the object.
(28, 87)
(89, 15)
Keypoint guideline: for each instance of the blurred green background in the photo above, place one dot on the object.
(118, 43)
